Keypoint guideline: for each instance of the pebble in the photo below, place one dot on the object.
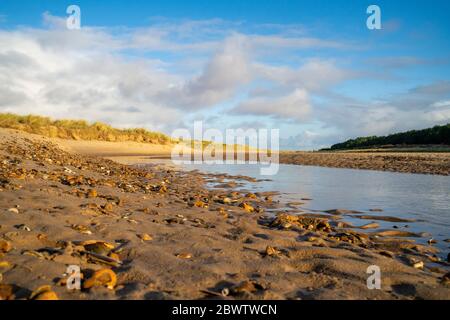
(81, 229)
(44, 293)
(6, 292)
(108, 206)
(184, 255)
(272, 251)
(247, 207)
(226, 200)
(92, 193)
(23, 227)
(370, 226)
(145, 237)
(102, 277)
(5, 246)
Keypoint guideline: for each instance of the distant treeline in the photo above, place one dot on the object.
(438, 135)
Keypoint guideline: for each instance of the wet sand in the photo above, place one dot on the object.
(408, 162)
(164, 235)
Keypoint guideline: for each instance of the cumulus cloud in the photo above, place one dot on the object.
(157, 75)
(227, 70)
(294, 106)
(44, 72)
(89, 73)
(419, 107)
(314, 75)
(307, 140)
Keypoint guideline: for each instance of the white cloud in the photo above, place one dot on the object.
(61, 73)
(155, 76)
(420, 107)
(441, 104)
(226, 71)
(314, 75)
(307, 140)
(294, 106)
(89, 73)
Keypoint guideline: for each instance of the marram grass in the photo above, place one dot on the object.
(79, 129)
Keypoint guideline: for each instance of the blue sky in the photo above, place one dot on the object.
(310, 68)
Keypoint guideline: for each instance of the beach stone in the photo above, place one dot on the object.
(184, 255)
(226, 200)
(370, 226)
(108, 206)
(145, 237)
(92, 193)
(44, 293)
(4, 266)
(272, 251)
(103, 277)
(200, 204)
(285, 221)
(5, 246)
(6, 292)
(247, 207)
(23, 227)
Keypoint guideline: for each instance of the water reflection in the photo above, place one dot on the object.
(425, 198)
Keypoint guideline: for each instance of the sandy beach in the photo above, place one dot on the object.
(164, 235)
(407, 162)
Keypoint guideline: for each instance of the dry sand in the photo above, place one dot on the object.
(171, 238)
(105, 148)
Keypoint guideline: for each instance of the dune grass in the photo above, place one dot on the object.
(79, 129)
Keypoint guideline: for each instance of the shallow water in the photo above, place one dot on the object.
(425, 198)
(420, 197)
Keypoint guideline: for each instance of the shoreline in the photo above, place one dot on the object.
(403, 162)
(170, 237)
